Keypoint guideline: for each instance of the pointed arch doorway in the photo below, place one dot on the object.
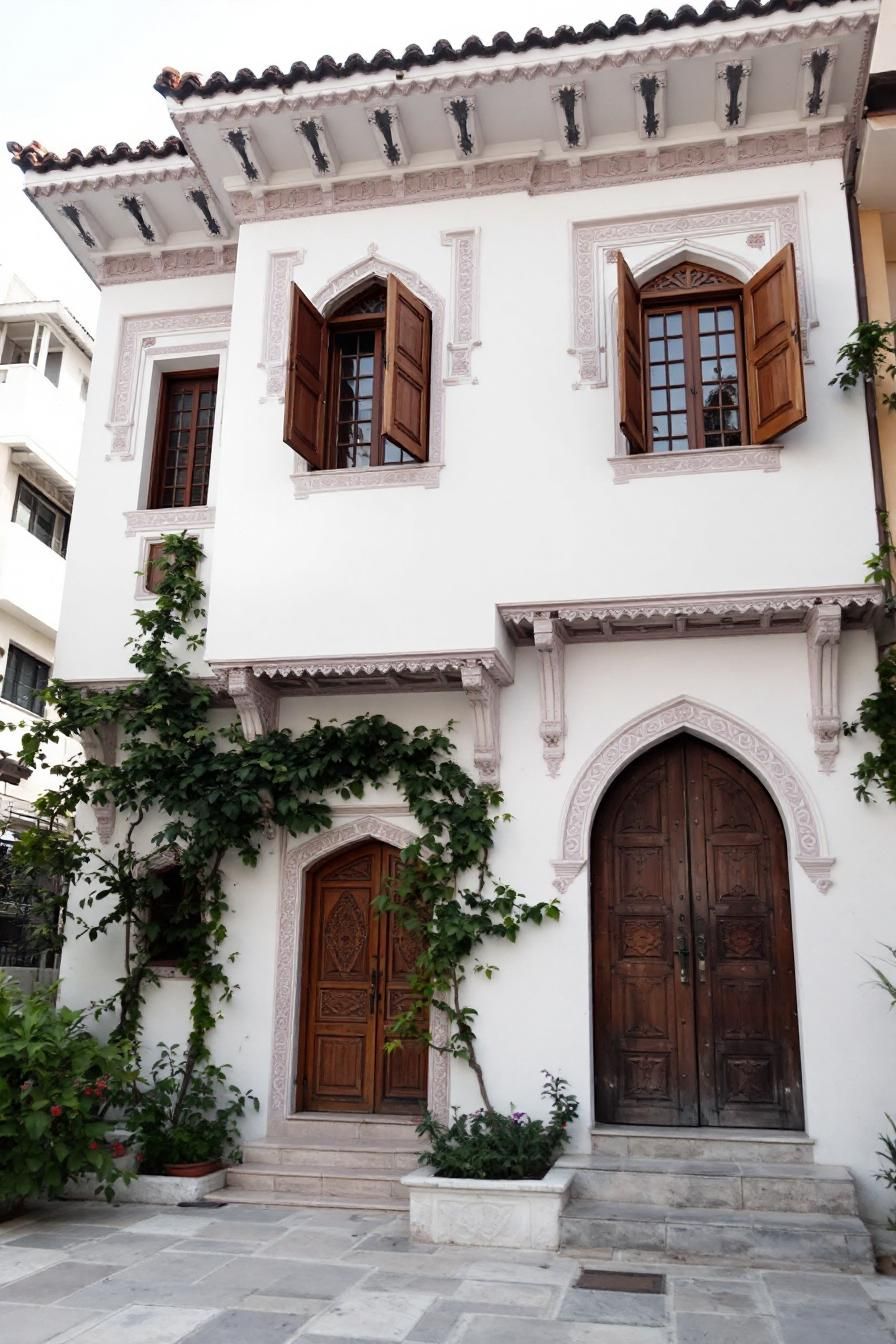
(695, 1015)
(355, 971)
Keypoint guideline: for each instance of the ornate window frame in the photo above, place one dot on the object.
(426, 474)
(288, 964)
(799, 811)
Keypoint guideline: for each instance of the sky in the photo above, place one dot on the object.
(80, 73)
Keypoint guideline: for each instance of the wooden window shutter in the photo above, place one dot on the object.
(773, 354)
(631, 359)
(406, 378)
(153, 573)
(306, 381)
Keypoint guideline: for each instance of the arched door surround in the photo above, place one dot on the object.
(695, 1014)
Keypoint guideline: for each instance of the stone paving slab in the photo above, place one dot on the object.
(239, 1274)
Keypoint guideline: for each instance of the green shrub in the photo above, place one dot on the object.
(55, 1083)
(188, 1113)
(489, 1146)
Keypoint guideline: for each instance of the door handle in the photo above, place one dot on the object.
(683, 953)
(374, 987)
(701, 956)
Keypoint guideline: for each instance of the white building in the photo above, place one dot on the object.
(650, 638)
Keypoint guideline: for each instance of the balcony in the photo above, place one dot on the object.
(41, 417)
(31, 579)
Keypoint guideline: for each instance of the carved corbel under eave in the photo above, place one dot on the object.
(550, 645)
(823, 641)
(100, 743)
(257, 703)
(483, 692)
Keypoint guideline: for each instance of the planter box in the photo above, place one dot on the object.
(522, 1214)
(152, 1189)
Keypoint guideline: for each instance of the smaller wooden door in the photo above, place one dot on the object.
(355, 983)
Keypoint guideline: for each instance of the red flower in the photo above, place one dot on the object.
(55, 1110)
(118, 1150)
(88, 1092)
(93, 1144)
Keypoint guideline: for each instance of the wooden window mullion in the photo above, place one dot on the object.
(376, 425)
(692, 376)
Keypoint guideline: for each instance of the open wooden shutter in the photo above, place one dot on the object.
(772, 350)
(306, 381)
(406, 379)
(631, 359)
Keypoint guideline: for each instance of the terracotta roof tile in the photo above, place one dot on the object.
(36, 158)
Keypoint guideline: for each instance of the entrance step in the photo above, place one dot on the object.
(760, 1239)
(776, 1187)
(344, 1130)
(712, 1145)
(338, 1183)
(312, 1156)
(231, 1195)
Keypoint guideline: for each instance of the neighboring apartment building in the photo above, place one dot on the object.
(44, 372)
(495, 382)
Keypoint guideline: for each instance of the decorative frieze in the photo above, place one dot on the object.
(256, 701)
(483, 693)
(732, 85)
(823, 642)
(464, 307)
(379, 672)
(549, 639)
(175, 264)
(275, 337)
(695, 462)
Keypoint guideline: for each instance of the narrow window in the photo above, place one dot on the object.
(25, 680)
(183, 450)
(170, 919)
(53, 363)
(705, 362)
(358, 381)
(44, 520)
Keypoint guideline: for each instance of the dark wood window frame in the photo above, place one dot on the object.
(768, 350)
(61, 519)
(163, 951)
(198, 381)
(18, 659)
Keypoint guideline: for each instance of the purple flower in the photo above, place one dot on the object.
(519, 1117)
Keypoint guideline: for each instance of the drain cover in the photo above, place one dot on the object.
(613, 1281)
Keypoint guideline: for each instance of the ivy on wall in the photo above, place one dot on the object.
(205, 795)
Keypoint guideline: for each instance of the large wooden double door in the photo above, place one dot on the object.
(356, 967)
(694, 991)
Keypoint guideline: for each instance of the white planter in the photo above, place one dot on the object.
(152, 1189)
(521, 1214)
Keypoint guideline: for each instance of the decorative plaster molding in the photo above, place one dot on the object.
(306, 483)
(823, 643)
(136, 335)
(550, 641)
(172, 264)
(388, 136)
(115, 181)
(687, 45)
(593, 241)
(256, 701)
(464, 310)
(695, 462)
(165, 520)
(445, 668)
(781, 778)
(100, 743)
(464, 128)
(650, 104)
(732, 88)
(483, 694)
(569, 105)
(275, 338)
(285, 1030)
(536, 177)
(317, 145)
(816, 73)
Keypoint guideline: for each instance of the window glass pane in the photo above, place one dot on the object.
(726, 343)
(673, 324)
(659, 401)
(53, 366)
(655, 326)
(661, 426)
(675, 348)
(677, 399)
(726, 319)
(680, 426)
(188, 405)
(676, 374)
(24, 679)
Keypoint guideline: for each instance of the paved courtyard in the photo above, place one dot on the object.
(243, 1274)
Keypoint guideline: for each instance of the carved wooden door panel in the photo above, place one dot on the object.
(745, 985)
(353, 973)
(695, 996)
(643, 1013)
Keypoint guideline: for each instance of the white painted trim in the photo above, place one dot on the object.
(695, 462)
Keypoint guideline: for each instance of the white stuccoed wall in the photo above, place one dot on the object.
(526, 511)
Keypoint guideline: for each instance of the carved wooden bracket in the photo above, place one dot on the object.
(483, 694)
(550, 644)
(257, 703)
(100, 743)
(823, 640)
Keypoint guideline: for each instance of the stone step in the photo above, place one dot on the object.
(785, 1187)
(344, 1130)
(723, 1145)
(356, 1156)
(232, 1195)
(318, 1183)
(758, 1239)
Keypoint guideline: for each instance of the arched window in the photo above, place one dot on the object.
(706, 362)
(357, 389)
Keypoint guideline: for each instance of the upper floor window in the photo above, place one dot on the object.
(706, 362)
(183, 447)
(42, 519)
(25, 680)
(357, 390)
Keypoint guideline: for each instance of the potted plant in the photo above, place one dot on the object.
(489, 1179)
(186, 1121)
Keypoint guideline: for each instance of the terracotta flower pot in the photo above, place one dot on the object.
(192, 1169)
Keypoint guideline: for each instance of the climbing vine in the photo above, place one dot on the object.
(203, 796)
